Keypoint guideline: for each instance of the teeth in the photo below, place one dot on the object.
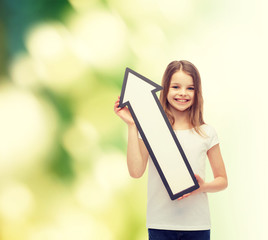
(181, 100)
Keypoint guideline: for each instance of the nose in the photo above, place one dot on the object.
(182, 92)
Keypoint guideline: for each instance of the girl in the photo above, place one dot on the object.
(188, 217)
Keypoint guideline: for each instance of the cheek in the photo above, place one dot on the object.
(192, 97)
(169, 98)
(169, 95)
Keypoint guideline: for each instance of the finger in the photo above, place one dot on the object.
(184, 196)
(116, 106)
(187, 195)
(197, 177)
(117, 102)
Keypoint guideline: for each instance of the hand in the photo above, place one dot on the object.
(184, 196)
(201, 183)
(123, 113)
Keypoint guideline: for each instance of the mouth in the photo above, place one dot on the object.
(181, 100)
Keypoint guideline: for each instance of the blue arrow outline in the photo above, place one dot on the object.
(173, 196)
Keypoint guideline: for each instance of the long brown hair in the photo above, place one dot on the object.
(196, 110)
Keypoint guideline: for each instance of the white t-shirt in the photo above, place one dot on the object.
(191, 213)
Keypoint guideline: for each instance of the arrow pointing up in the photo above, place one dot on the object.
(139, 94)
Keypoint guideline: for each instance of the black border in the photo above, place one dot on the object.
(147, 144)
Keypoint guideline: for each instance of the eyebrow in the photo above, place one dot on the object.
(176, 83)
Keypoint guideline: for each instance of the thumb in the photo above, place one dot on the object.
(198, 178)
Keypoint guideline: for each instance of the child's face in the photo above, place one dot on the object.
(181, 91)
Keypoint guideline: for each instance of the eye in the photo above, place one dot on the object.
(191, 88)
(175, 87)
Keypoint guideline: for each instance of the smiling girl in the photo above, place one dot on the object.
(188, 217)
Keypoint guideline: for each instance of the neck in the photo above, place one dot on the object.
(182, 120)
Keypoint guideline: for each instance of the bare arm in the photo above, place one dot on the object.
(220, 181)
(137, 154)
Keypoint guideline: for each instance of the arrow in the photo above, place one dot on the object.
(139, 94)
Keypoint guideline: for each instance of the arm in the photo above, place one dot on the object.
(220, 181)
(137, 154)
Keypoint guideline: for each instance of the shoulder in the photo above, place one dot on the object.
(208, 130)
(211, 137)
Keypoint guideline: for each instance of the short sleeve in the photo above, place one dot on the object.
(212, 138)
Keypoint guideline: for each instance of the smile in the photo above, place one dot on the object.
(181, 100)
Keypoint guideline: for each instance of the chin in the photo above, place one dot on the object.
(182, 109)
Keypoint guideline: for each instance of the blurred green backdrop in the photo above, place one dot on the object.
(62, 149)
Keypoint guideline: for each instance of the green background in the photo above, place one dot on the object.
(63, 150)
